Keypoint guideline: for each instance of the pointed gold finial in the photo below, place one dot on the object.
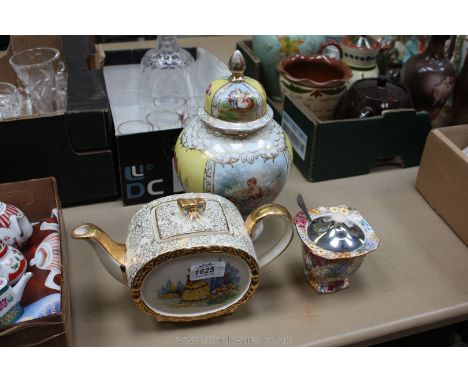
(237, 66)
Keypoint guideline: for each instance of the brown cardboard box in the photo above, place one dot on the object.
(443, 176)
(36, 198)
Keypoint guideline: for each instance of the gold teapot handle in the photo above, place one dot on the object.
(270, 210)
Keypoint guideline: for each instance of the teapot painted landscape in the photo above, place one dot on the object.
(189, 256)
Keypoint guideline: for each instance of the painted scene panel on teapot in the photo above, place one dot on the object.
(202, 292)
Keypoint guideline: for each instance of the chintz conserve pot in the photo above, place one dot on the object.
(189, 256)
(334, 245)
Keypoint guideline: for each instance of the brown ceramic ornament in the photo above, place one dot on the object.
(430, 77)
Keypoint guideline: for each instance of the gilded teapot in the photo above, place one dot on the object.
(189, 256)
(234, 148)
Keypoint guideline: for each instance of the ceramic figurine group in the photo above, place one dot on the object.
(194, 256)
(24, 250)
(15, 230)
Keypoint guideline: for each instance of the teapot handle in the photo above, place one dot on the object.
(326, 44)
(270, 210)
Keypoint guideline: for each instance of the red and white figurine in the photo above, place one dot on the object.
(12, 263)
(15, 228)
(47, 257)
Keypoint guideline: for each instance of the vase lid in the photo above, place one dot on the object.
(361, 42)
(236, 104)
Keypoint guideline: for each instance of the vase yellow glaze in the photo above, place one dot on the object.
(234, 148)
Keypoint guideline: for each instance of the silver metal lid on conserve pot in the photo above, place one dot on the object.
(336, 233)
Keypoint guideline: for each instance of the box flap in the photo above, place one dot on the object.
(443, 177)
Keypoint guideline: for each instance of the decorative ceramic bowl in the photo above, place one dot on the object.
(189, 256)
(360, 51)
(271, 49)
(317, 80)
(334, 245)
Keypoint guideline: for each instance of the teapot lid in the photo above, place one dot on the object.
(361, 42)
(236, 104)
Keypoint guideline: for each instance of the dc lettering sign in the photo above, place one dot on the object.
(138, 181)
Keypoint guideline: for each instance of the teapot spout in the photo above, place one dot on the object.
(18, 289)
(111, 254)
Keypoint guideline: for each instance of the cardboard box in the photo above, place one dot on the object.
(37, 198)
(339, 148)
(443, 176)
(76, 147)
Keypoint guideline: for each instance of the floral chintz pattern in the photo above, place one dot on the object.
(328, 271)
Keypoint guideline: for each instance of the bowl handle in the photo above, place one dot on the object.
(326, 44)
(270, 210)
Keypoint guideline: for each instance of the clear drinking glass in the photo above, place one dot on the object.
(167, 69)
(164, 120)
(10, 103)
(193, 103)
(125, 105)
(134, 127)
(170, 103)
(39, 71)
